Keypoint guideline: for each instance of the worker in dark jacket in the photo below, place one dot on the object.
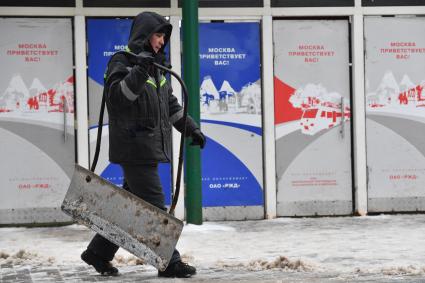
(142, 111)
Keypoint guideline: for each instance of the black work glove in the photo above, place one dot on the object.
(198, 138)
(143, 59)
(161, 59)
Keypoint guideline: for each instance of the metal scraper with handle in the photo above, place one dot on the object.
(121, 217)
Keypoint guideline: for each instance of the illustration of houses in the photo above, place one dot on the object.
(15, 95)
(208, 91)
(249, 98)
(227, 96)
(37, 98)
(402, 94)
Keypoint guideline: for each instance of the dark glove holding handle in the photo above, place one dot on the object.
(161, 59)
(198, 138)
(143, 59)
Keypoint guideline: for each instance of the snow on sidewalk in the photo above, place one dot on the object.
(385, 248)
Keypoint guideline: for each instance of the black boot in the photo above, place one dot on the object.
(102, 266)
(178, 269)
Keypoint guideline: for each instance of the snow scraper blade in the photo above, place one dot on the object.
(121, 217)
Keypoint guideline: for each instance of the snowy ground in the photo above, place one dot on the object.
(385, 248)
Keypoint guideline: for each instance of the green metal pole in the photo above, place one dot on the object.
(191, 78)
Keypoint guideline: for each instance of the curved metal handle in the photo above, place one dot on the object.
(183, 134)
(342, 130)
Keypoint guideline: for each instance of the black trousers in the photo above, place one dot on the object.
(144, 182)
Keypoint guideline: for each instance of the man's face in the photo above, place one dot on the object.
(157, 41)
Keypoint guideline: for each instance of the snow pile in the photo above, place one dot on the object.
(120, 260)
(127, 259)
(403, 270)
(187, 257)
(281, 262)
(409, 270)
(23, 257)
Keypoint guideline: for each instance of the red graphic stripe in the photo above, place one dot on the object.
(284, 111)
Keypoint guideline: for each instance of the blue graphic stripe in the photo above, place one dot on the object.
(252, 129)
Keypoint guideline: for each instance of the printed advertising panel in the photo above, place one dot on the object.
(36, 118)
(395, 113)
(105, 37)
(312, 117)
(230, 98)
